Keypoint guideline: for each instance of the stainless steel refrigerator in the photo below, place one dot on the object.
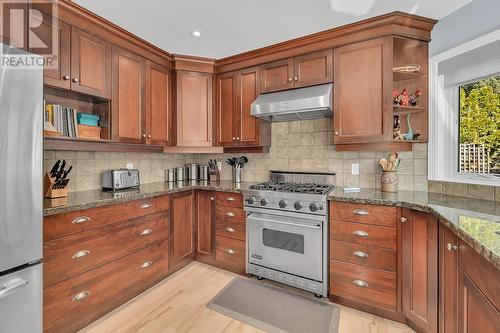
(21, 203)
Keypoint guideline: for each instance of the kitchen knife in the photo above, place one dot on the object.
(66, 173)
(61, 170)
(55, 168)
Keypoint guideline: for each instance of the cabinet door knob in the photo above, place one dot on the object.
(296, 78)
(81, 296)
(289, 79)
(336, 133)
(360, 212)
(209, 139)
(65, 77)
(403, 219)
(212, 198)
(360, 233)
(360, 254)
(451, 247)
(144, 135)
(234, 138)
(75, 80)
(149, 136)
(81, 219)
(360, 283)
(80, 254)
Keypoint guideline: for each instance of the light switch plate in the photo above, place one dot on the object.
(355, 168)
(130, 165)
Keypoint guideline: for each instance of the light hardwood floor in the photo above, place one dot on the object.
(177, 304)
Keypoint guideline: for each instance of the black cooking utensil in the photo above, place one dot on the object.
(55, 168)
(242, 161)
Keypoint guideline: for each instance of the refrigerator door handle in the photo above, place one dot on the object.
(12, 287)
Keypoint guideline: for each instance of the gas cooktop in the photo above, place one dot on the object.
(308, 188)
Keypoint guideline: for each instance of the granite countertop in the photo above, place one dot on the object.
(475, 221)
(96, 198)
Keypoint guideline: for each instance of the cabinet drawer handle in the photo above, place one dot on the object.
(80, 254)
(360, 283)
(146, 232)
(146, 264)
(230, 214)
(146, 205)
(360, 254)
(81, 219)
(230, 251)
(81, 296)
(360, 233)
(229, 229)
(451, 247)
(360, 212)
(230, 199)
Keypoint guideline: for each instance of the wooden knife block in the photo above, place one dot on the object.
(51, 193)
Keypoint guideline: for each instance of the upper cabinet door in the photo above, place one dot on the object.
(90, 64)
(227, 109)
(158, 98)
(194, 109)
(362, 92)
(419, 251)
(276, 75)
(128, 116)
(59, 74)
(313, 68)
(13, 32)
(247, 91)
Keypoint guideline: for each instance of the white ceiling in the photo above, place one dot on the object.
(233, 26)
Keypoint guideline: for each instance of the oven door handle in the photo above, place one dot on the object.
(317, 227)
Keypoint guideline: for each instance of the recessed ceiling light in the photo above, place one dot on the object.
(196, 33)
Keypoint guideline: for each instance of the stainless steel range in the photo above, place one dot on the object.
(287, 231)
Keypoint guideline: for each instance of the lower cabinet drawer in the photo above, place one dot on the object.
(229, 199)
(363, 284)
(232, 230)
(71, 255)
(365, 234)
(229, 215)
(230, 254)
(77, 302)
(376, 257)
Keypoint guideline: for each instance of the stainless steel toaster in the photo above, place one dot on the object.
(120, 179)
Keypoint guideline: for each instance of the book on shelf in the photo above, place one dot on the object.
(62, 118)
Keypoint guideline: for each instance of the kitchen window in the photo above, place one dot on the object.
(464, 114)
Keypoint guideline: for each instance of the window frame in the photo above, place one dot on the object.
(444, 110)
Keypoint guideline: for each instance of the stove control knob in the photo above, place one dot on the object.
(298, 205)
(282, 203)
(263, 202)
(251, 200)
(314, 207)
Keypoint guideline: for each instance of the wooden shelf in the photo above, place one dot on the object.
(193, 150)
(65, 143)
(403, 76)
(408, 109)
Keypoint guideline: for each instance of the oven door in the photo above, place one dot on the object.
(291, 243)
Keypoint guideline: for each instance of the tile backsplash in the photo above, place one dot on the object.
(296, 146)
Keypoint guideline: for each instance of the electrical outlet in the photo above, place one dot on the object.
(355, 168)
(130, 165)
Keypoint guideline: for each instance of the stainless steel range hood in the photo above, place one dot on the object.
(296, 104)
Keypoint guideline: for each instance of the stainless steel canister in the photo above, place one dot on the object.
(180, 174)
(187, 167)
(193, 171)
(171, 175)
(203, 172)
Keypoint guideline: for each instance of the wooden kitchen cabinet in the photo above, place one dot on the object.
(12, 30)
(182, 228)
(419, 251)
(60, 75)
(158, 104)
(129, 104)
(193, 109)
(236, 91)
(204, 235)
(363, 101)
(90, 64)
(300, 71)
(448, 281)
